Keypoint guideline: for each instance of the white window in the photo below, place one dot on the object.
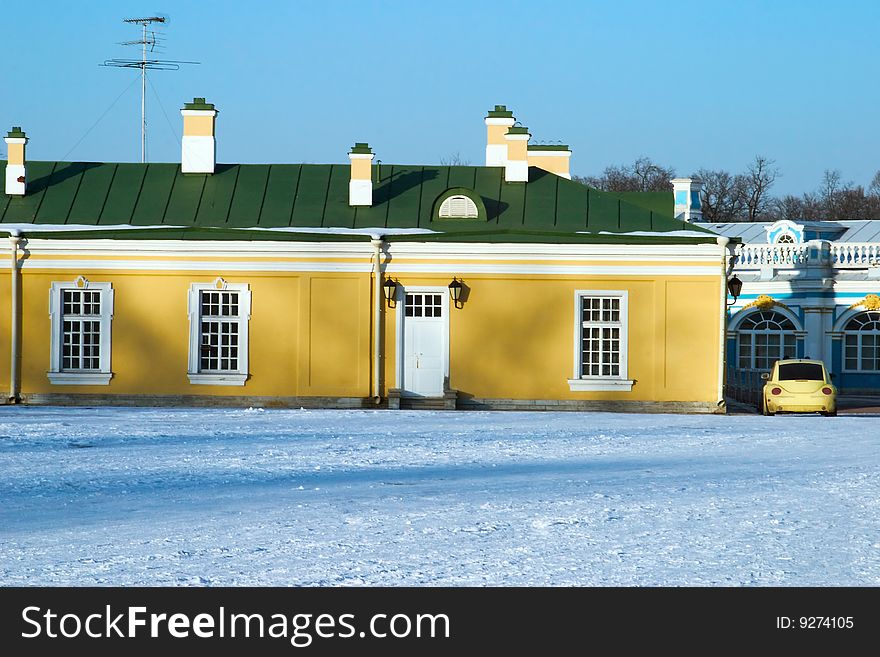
(765, 337)
(862, 343)
(600, 350)
(458, 207)
(80, 313)
(218, 333)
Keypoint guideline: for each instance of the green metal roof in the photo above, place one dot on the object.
(16, 133)
(660, 202)
(240, 196)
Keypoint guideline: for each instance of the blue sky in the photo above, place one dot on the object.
(689, 84)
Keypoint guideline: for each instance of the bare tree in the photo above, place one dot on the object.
(758, 180)
(651, 177)
(454, 160)
(874, 187)
(829, 192)
(643, 175)
(789, 207)
(723, 197)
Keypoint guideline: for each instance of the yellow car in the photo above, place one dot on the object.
(798, 386)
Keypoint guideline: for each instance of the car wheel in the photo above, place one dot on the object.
(830, 414)
(764, 410)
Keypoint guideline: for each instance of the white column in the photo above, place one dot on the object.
(814, 343)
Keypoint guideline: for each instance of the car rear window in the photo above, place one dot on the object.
(808, 371)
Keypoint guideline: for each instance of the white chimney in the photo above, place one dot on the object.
(199, 147)
(516, 167)
(686, 192)
(360, 186)
(16, 172)
(497, 123)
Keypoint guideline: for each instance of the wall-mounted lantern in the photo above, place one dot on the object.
(734, 288)
(389, 289)
(455, 289)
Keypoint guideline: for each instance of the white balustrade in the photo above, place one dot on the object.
(844, 255)
(854, 255)
(755, 256)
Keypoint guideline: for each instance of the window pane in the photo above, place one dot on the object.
(600, 336)
(80, 339)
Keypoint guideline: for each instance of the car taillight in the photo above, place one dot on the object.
(776, 391)
(827, 391)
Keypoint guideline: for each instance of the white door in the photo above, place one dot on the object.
(424, 342)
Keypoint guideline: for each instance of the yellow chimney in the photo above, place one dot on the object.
(199, 146)
(16, 164)
(360, 188)
(554, 158)
(516, 167)
(497, 123)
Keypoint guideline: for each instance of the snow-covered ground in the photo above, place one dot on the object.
(252, 497)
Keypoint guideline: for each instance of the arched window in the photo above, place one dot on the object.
(765, 337)
(862, 342)
(458, 207)
(785, 238)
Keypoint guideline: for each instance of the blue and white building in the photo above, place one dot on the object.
(811, 289)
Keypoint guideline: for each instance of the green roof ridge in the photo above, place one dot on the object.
(500, 112)
(517, 130)
(198, 103)
(548, 147)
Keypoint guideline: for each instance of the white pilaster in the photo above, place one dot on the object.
(814, 341)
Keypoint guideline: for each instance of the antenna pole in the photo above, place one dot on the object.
(144, 97)
(149, 38)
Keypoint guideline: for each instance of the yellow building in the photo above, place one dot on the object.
(358, 285)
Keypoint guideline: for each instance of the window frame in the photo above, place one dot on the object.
(194, 310)
(56, 374)
(586, 383)
(751, 333)
(858, 334)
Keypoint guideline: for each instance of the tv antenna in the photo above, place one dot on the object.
(151, 41)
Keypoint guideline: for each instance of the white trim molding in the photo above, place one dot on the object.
(586, 383)
(79, 378)
(603, 385)
(57, 375)
(123, 248)
(217, 379)
(196, 375)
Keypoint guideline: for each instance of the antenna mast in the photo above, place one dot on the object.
(149, 39)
